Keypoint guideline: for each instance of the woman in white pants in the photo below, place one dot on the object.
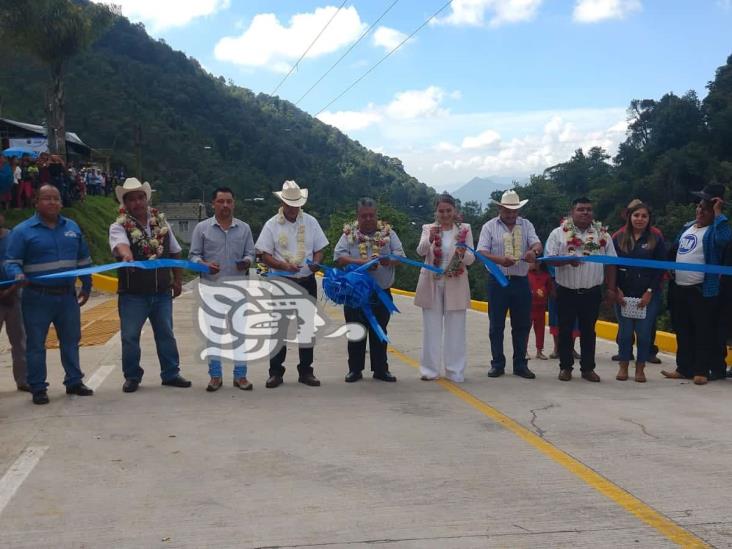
(445, 298)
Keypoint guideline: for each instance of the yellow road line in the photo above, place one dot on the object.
(624, 499)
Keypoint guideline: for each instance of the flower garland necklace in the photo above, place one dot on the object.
(378, 240)
(456, 267)
(151, 246)
(595, 238)
(283, 241)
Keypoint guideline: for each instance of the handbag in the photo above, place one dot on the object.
(632, 310)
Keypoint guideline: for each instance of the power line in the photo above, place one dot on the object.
(366, 32)
(380, 61)
(308, 48)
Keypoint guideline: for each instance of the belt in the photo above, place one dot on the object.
(580, 291)
(52, 290)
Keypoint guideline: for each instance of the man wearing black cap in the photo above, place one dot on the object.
(693, 296)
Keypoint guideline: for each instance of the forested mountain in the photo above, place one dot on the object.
(195, 131)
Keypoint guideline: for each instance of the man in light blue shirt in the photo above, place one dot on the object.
(226, 246)
(49, 243)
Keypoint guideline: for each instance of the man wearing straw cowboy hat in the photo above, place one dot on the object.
(286, 242)
(141, 233)
(511, 242)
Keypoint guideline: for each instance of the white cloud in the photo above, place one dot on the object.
(473, 12)
(268, 43)
(165, 14)
(444, 146)
(387, 38)
(592, 11)
(350, 120)
(484, 140)
(406, 105)
(417, 103)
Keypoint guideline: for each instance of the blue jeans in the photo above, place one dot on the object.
(641, 327)
(134, 309)
(39, 311)
(516, 297)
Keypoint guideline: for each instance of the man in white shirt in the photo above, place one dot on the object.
(286, 242)
(579, 284)
(511, 242)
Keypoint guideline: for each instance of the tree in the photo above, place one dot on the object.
(53, 31)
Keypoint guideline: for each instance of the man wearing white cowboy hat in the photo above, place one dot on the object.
(511, 242)
(141, 233)
(286, 242)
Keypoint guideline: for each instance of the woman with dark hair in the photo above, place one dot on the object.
(444, 298)
(639, 295)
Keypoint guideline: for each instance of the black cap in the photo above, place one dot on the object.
(711, 191)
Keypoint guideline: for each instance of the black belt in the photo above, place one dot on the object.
(580, 291)
(52, 290)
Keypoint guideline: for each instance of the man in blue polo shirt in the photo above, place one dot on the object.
(49, 243)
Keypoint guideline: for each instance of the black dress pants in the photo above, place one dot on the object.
(305, 366)
(584, 307)
(377, 348)
(695, 319)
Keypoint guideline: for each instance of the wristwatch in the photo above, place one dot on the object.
(649, 290)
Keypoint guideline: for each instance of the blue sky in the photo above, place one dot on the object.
(489, 88)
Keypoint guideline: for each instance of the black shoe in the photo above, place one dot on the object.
(616, 358)
(130, 385)
(41, 397)
(729, 372)
(496, 372)
(177, 381)
(273, 381)
(653, 359)
(309, 380)
(385, 376)
(716, 376)
(525, 373)
(24, 387)
(79, 389)
(352, 377)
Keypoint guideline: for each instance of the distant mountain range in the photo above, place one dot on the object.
(479, 189)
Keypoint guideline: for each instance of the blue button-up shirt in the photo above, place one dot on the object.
(227, 247)
(35, 249)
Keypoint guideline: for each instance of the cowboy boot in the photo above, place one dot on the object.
(640, 375)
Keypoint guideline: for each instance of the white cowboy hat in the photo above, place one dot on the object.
(510, 200)
(292, 195)
(130, 185)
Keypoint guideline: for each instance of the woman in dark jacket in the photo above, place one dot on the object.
(638, 241)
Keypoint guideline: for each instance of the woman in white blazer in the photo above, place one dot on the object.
(444, 299)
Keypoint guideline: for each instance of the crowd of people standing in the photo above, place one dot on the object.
(292, 244)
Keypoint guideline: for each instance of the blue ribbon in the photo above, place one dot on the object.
(644, 263)
(147, 265)
(353, 287)
(490, 265)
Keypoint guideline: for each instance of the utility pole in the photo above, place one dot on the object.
(138, 148)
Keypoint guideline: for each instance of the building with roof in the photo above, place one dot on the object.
(183, 217)
(33, 136)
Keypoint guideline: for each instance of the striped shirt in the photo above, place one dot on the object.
(587, 275)
(495, 238)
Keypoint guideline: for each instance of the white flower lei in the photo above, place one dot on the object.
(378, 240)
(283, 241)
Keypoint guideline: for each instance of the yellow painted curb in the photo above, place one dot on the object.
(104, 283)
